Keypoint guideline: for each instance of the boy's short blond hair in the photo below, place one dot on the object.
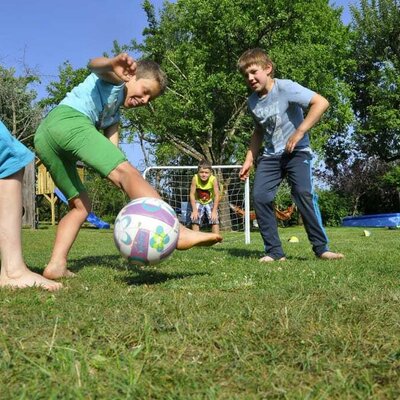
(255, 56)
(148, 69)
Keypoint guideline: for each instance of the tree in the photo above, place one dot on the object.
(197, 42)
(392, 179)
(333, 206)
(17, 108)
(376, 79)
(68, 78)
(107, 200)
(362, 182)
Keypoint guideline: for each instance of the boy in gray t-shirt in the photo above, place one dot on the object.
(276, 106)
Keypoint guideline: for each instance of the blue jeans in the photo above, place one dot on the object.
(270, 172)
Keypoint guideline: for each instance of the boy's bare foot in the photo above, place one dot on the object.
(29, 279)
(57, 271)
(329, 255)
(189, 238)
(266, 259)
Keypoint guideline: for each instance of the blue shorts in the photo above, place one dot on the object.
(13, 154)
(205, 209)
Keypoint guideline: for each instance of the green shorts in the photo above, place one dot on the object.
(66, 136)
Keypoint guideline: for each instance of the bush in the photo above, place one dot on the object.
(107, 199)
(333, 207)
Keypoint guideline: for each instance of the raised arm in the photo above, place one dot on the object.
(115, 70)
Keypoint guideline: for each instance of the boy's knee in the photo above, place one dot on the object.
(81, 204)
(304, 193)
(119, 174)
(261, 197)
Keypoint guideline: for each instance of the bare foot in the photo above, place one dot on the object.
(266, 259)
(29, 279)
(189, 238)
(329, 255)
(57, 271)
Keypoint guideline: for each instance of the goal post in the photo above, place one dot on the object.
(173, 185)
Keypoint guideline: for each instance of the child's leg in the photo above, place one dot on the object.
(14, 272)
(195, 227)
(67, 231)
(266, 183)
(215, 228)
(299, 169)
(196, 223)
(214, 222)
(129, 179)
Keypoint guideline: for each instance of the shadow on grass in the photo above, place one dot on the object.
(301, 258)
(75, 265)
(239, 252)
(152, 277)
(108, 261)
(256, 254)
(36, 269)
(140, 275)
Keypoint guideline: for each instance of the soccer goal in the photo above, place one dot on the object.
(173, 185)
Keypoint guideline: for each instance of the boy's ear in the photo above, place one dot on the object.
(268, 69)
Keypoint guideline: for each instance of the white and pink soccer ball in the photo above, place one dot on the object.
(146, 231)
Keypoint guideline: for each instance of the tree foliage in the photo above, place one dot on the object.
(392, 177)
(334, 207)
(68, 78)
(17, 108)
(197, 42)
(362, 182)
(203, 112)
(107, 200)
(376, 80)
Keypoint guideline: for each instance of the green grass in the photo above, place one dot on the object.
(209, 323)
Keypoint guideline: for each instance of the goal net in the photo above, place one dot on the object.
(173, 185)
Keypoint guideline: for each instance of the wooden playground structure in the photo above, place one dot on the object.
(38, 182)
(45, 186)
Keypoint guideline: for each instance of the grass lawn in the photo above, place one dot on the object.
(209, 323)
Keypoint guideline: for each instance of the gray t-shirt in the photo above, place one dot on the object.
(279, 113)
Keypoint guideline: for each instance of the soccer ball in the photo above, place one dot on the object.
(146, 231)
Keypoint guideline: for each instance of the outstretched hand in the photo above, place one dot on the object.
(124, 66)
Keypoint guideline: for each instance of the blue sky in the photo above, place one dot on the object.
(42, 34)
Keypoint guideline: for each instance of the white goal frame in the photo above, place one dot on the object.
(246, 199)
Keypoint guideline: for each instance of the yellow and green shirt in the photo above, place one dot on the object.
(204, 190)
